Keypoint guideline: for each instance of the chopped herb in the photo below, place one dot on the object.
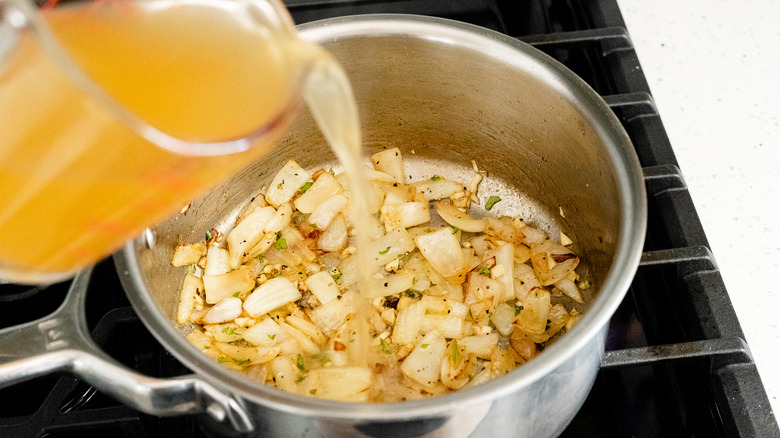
(435, 178)
(428, 230)
(179, 239)
(260, 258)
(484, 271)
(385, 347)
(300, 379)
(209, 235)
(385, 251)
(277, 273)
(229, 331)
(379, 213)
(413, 294)
(351, 340)
(237, 294)
(191, 269)
(414, 281)
(314, 226)
(281, 244)
(331, 172)
(306, 186)
(455, 229)
(241, 362)
(322, 358)
(299, 363)
(455, 351)
(207, 347)
(336, 276)
(279, 186)
(470, 378)
(518, 309)
(272, 336)
(313, 391)
(584, 284)
(424, 346)
(222, 359)
(491, 202)
(471, 315)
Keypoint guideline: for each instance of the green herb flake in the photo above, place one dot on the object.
(271, 336)
(300, 379)
(428, 230)
(191, 269)
(229, 331)
(385, 251)
(491, 202)
(260, 258)
(413, 294)
(584, 284)
(222, 359)
(241, 362)
(306, 186)
(455, 229)
(209, 235)
(281, 244)
(322, 358)
(424, 346)
(299, 363)
(207, 347)
(313, 391)
(279, 186)
(385, 346)
(484, 271)
(435, 178)
(351, 340)
(470, 378)
(237, 294)
(336, 276)
(314, 226)
(331, 172)
(518, 309)
(455, 351)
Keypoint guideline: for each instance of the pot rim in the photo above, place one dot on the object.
(633, 222)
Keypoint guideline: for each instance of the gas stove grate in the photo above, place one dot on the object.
(677, 363)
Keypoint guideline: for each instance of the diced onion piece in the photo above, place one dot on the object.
(533, 235)
(552, 262)
(265, 333)
(408, 323)
(569, 289)
(558, 317)
(525, 280)
(217, 261)
(437, 189)
(268, 240)
(322, 216)
(457, 367)
(307, 328)
(226, 310)
(503, 271)
(565, 240)
(191, 292)
(391, 162)
(442, 249)
(235, 351)
(459, 219)
(286, 183)
(503, 317)
(322, 286)
(391, 284)
(523, 346)
(377, 176)
(270, 295)
(481, 345)
(307, 345)
(188, 254)
(388, 247)
(405, 215)
(503, 229)
(338, 383)
(247, 233)
(285, 374)
(280, 219)
(398, 193)
(335, 237)
(482, 287)
(449, 326)
(323, 188)
(256, 203)
(423, 365)
(533, 316)
(225, 285)
(331, 315)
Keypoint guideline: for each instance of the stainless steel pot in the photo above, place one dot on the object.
(451, 92)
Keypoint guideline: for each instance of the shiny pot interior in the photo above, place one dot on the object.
(445, 94)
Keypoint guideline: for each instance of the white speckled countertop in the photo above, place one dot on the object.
(713, 67)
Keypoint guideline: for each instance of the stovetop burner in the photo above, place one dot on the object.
(676, 364)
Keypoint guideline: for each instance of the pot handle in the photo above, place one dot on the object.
(61, 342)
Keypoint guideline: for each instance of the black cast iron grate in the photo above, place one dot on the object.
(677, 362)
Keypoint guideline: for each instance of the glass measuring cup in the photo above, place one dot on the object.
(114, 114)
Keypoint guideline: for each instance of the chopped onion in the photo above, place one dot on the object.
(247, 233)
(405, 215)
(225, 310)
(442, 249)
(270, 295)
(323, 188)
(189, 254)
(286, 183)
(423, 365)
(322, 216)
(225, 285)
(459, 219)
(391, 162)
